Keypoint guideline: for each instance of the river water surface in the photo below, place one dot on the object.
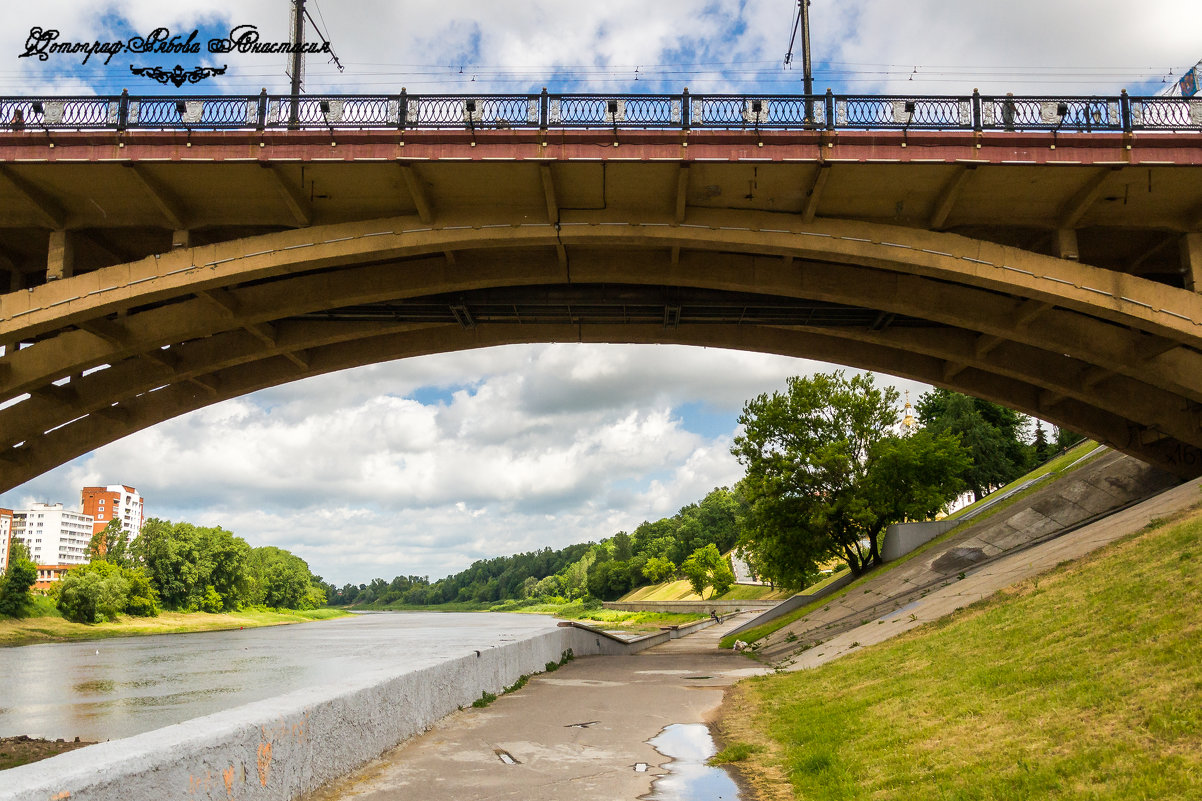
(107, 689)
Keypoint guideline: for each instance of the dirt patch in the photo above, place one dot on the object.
(22, 750)
(958, 559)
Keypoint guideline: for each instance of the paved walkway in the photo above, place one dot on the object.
(579, 733)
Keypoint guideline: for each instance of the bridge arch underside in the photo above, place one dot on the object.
(102, 355)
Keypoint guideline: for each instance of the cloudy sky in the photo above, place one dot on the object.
(424, 465)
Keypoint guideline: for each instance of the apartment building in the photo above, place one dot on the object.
(6, 533)
(114, 502)
(55, 536)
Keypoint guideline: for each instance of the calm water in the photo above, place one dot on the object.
(107, 689)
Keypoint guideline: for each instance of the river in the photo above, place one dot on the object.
(107, 689)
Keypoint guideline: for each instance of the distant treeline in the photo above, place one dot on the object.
(652, 553)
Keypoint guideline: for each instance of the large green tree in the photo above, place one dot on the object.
(705, 567)
(828, 471)
(993, 435)
(20, 575)
(110, 544)
(185, 562)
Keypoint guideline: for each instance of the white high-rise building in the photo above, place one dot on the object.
(54, 535)
(114, 502)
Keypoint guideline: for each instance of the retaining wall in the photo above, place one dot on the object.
(282, 747)
(689, 607)
(901, 538)
(796, 602)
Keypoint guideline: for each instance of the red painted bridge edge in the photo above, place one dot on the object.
(1038, 148)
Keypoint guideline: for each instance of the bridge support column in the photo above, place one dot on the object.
(60, 261)
(181, 239)
(1064, 244)
(1191, 261)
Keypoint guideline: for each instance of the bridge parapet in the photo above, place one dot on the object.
(554, 111)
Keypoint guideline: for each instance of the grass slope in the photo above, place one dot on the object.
(31, 630)
(683, 591)
(1082, 683)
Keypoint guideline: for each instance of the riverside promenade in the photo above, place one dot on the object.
(580, 732)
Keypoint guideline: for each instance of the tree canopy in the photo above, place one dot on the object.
(993, 436)
(705, 567)
(827, 472)
(20, 575)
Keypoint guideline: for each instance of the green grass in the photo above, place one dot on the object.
(1060, 465)
(49, 626)
(1082, 683)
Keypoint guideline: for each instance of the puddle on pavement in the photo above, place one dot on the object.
(689, 778)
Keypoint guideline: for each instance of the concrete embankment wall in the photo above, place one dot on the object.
(689, 607)
(282, 747)
(796, 602)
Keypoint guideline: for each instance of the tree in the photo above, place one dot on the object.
(992, 435)
(183, 561)
(1066, 439)
(705, 567)
(827, 472)
(1041, 449)
(93, 593)
(658, 569)
(21, 574)
(110, 544)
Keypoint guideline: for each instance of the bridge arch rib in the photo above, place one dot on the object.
(1113, 356)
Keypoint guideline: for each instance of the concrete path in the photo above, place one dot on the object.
(579, 733)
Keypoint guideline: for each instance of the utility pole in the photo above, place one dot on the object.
(807, 73)
(298, 59)
(802, 23)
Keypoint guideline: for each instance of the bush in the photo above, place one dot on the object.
(93, 593)
(14, 589)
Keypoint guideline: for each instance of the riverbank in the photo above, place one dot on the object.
(44, 629)
(1081, 677)
(588, 612)
(284, 745)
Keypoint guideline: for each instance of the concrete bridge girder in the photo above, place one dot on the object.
(148, 409)
(1073, 338)
(999, 317)
(1121, 298)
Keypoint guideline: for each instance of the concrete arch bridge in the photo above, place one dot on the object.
(152, 273)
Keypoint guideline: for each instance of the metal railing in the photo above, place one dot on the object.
(546, 111)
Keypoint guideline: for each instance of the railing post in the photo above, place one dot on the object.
(544, 110)
(977, 124)
(686, 110)
(262, 121)
(402, 116)
(123, 110)
(830, 110)
(1125, 112)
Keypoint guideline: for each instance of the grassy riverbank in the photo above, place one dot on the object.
(589, 612)
(47, 626)
(1081, 683)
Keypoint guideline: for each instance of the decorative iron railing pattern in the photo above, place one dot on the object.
(546, 111)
